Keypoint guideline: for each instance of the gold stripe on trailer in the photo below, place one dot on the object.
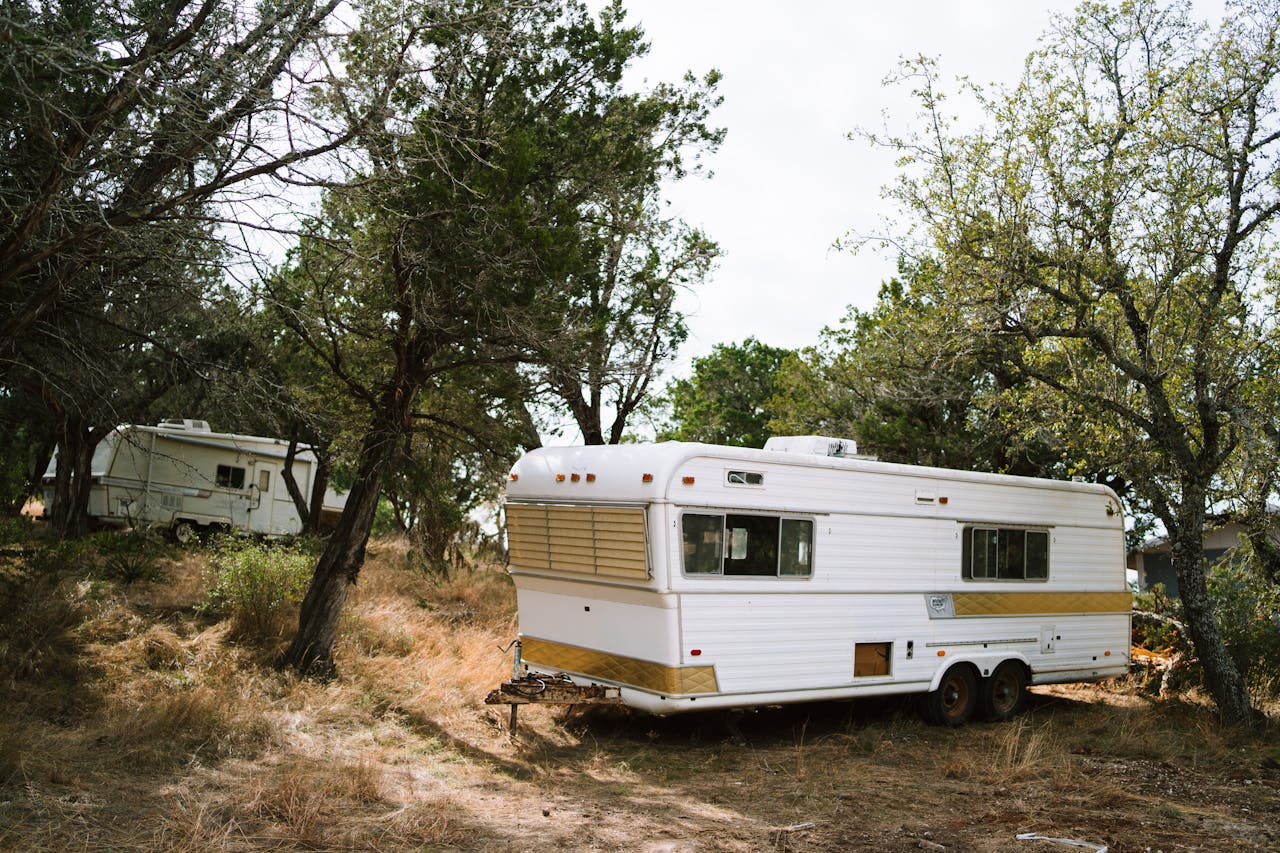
(1039, 603)
(647, 675)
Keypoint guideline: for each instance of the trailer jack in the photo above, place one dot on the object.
(525, 688)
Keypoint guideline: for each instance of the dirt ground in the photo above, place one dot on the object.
(169, 733)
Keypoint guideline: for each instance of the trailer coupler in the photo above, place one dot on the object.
(550, 690)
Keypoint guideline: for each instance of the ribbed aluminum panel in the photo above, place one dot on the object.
(604, 541)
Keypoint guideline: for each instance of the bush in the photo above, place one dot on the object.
(1247, 608)
(16, 530)
(255, 584)
(128, 556)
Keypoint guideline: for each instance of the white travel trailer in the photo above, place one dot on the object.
(694, 576)
(181, 475)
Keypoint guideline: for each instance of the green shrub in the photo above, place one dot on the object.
(1247, 608)
(16, 530)
(255, 584)
(127, 556)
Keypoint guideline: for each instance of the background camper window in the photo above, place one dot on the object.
(230, 477)
(747, 545)
(1005, 553)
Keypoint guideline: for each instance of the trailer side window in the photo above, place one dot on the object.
(753, 545)
(1004, 553)
(702, 535)
(229, 477)
(747, 545)
(797, 548)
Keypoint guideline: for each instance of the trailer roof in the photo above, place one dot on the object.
(617, 472)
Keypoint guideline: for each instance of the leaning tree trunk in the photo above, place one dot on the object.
(1220, 673)
(291, 484)
(311, 651)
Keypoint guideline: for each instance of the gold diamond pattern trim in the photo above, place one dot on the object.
(1038, 603)
(647, 675)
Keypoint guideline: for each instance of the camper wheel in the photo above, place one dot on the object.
(953, 703)
(1003, 694)
(185, 532)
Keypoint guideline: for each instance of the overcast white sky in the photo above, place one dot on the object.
(798, 77)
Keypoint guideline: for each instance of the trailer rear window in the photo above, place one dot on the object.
(1005, 553)
(747, 545)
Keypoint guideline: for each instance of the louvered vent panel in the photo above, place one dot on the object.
(527, 537)
(605, 541)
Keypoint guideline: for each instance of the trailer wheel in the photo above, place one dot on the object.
(1004, 693)
(953, 703)
(185, 532)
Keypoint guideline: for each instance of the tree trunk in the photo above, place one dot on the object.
(291, 483)
(319, 485)
(311, 651)
(1220, 673)
(69, 515)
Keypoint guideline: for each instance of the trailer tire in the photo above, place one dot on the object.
(1004, 693)
(184, 532)
(953, 703)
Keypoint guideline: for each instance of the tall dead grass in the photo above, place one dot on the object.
(171, 732)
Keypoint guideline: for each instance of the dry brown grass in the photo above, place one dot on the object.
(165, 731)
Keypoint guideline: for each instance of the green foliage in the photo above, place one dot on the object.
(1154, 634)
(730, 397)
(1247, 608)
(16, 530)
(906, 382)
(1111, 224)
(255, 584)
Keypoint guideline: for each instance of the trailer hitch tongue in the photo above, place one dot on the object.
(528, 689)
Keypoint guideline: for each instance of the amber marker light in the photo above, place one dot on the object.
(942, 653)
(559, 478)
(591, 478)
(688, 481)
(575, 477)
(942, 500)
(647, 478)
(1106, 654)
(514, 477)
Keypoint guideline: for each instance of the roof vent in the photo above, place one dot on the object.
(818, 445)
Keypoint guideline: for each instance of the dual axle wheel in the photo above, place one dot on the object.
(961, 695)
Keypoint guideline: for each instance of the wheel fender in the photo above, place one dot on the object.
(983, 664)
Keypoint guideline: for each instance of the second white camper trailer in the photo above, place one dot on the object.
(181, 475)
(694, 576)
